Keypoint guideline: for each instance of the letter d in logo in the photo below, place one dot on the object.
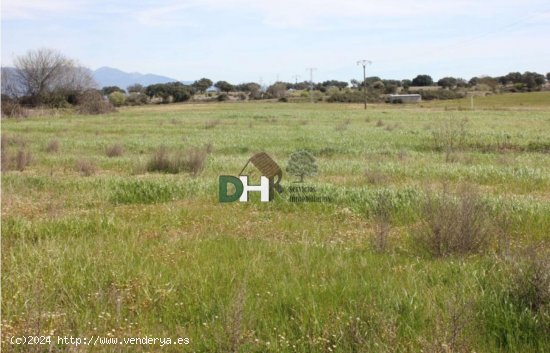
(224, 181)
(242, 188)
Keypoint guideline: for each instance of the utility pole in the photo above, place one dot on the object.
(364, 63)
(296, 77)
(311, 69)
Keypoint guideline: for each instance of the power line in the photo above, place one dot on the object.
(311, 69)
(364, 63)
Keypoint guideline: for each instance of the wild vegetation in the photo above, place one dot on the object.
(435, 238)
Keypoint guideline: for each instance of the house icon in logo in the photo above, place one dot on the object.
(271, 175)
(268, 168)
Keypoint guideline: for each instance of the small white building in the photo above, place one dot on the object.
(404, 98)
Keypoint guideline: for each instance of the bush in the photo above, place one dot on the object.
(136, 99)
(192, 161)
(450, 136)
(115, 150)
(222, 97)
(453, 224)
(12, 109)
(160, 161)
(85, 167)
(530, 279)
(117, 98)
(18, 160)
(91, 102)
(53, 146)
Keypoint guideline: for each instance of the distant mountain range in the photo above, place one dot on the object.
(108, 76)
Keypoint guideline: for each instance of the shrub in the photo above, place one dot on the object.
(450, 136)
(91, 102)
(530, 279)
(52, 146)
(453, 224)
(160, 161)
(117, 98)
(18, 161)
(135, 98)
(192, 161)
(222, 97)
(85, 167)
(115, 150)
(21, 159)
(12, 109)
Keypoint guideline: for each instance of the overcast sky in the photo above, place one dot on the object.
(249, 40)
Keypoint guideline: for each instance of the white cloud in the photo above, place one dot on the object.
(317, 13)
(30, 9)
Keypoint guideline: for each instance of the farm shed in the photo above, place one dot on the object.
(404, 98)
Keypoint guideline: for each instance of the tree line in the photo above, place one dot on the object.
(45, 77)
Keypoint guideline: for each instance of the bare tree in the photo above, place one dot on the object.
(44, 71)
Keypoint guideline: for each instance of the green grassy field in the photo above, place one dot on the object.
(122, 252)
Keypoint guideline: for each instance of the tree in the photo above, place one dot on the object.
(277, 90)
(532, 80)
(253, 89)
(169, 92)
(406, 83)
(301, 163)
(473, 81)
(202, 84)
(422, 80)
(447, 82)
(548, 76)
(460, 82)
(512, 77)
(491, 82)
(135, 88)
(224, 86)
(107, 90)
(334, 83)
(46, 73)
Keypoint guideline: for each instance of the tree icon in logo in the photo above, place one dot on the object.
(301, 164)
